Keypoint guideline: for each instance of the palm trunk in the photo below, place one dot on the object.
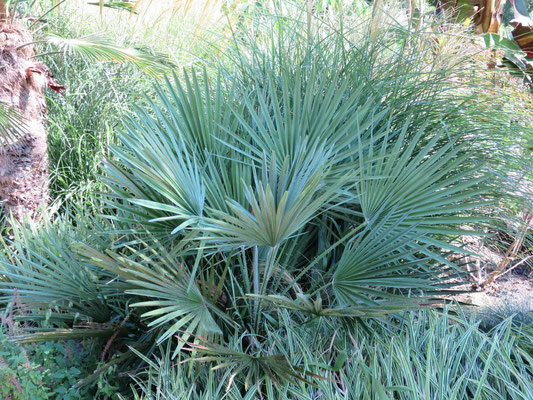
(24, 161)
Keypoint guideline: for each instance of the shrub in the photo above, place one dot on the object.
(45, 370)
(310, 178)
(519, 311)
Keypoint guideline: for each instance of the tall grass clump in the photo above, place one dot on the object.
(82, 124)
(312, 182)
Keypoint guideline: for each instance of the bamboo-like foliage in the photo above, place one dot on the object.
(441, 355)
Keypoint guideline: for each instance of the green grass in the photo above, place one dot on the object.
(83, 124)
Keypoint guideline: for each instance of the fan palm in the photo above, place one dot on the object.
(301, 175)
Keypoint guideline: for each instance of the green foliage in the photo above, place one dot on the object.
(518, 311)
(48, 275)
(427, 354)
(261, 214)
(94, 49)
(170, 296)
(83, 123)
(46, 370)
(104, 77)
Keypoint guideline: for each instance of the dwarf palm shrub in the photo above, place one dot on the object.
(322, 181)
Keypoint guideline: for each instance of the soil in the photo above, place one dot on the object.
(512, 289)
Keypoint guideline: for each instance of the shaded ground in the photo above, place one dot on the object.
(508, 290)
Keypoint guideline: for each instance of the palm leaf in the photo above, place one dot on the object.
(97, 48)
(163, 291)
(284, 201)
(254, 368)
(44, 271)
(386, 262)
(304, 304)
(126, 5)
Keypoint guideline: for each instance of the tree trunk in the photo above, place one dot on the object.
(23, 161)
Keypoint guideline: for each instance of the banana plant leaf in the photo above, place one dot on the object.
(523, 26)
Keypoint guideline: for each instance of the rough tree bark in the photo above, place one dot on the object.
(23, 162)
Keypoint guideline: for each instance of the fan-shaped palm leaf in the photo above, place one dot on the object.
(162, 287)
(281, 202)
(97, 48)
(41, 266)
(385, 262)
(425, 185)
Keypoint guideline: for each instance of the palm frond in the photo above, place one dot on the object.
(305, 304)
(427, 186)
(79, 332)
(126, 5)
(254, 368)
(96, 48)
(384, 262)
(46, 274)
(164, 290)
(284, 200)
